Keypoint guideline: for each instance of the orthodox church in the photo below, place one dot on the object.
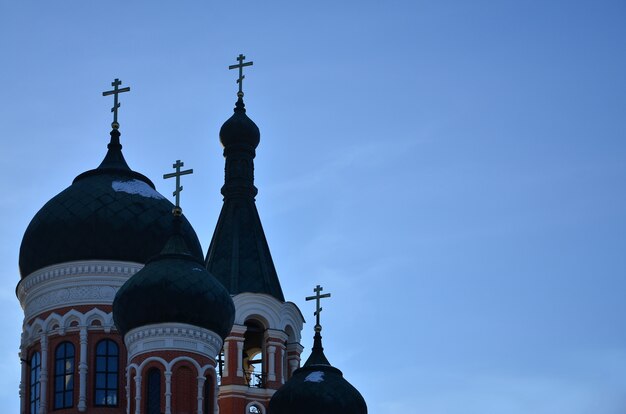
(124, 313)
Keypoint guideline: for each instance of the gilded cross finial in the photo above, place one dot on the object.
(179, 188)
(115, 92)
(318, 289)
(240, 66)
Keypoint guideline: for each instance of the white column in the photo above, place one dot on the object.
(225, 362)
(82, 370)
(137, 394)
(201, 381)
(282, 357)
(240, 358)
(294, 350)
(43, 403)
(127, 388)
(168, 392)
(23, 358)
(216, 390)
(271, 359)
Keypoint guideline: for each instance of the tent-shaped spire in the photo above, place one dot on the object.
(239, 255)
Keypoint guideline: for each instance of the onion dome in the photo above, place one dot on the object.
(239, 129)
(109, 213)
(174, 287)
(316, 388)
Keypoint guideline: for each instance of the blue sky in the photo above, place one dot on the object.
(451, 171)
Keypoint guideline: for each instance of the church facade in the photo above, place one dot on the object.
(123, 311)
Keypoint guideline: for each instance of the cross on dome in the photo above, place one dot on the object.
(179, 188)
(318, 289)
(115, 92)
(240, 66)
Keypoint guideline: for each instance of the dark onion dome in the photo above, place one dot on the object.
(239, 129)
(174, 287)
(316, 388)
(109, 213)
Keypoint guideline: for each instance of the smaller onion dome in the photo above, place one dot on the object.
(316, 388)
(174, 286)
(239, 129)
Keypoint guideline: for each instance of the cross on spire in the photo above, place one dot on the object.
(318, 308)
(115, 92)
(179, 187)
(240, 65)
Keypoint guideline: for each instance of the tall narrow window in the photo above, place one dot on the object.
(64, 376)
(105, 386)
(35, 385)
(153, 392)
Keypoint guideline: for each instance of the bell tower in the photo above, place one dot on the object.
(263, 348)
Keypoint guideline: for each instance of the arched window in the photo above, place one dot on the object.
(253, 365)
(254, 408)
(64, 376)
(153, 392)
(107, 369)
(35, 385)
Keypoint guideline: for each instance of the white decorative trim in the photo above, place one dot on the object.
(168, 392)
(138, 393)
(274, 313)
(43, 378)
(82, 371)
(199, 396)
(225, 361)
(171, 336)
(245, 392)
(240, 358)
(72, 284)
(271, 356)
(40, 327)
(23, 359)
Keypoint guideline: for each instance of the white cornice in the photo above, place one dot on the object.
(92, 282)
(172, 337)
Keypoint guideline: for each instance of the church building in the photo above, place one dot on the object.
(124, 312)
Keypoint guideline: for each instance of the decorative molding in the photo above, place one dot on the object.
(73, 284)
(172, 337)
(227, 391)
(274, 313)
(43, 327)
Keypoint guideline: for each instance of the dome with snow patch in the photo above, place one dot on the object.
(316, 388)
(109, 213)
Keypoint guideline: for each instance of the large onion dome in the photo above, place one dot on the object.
(109, 213)
(174, 287)
(316, 388)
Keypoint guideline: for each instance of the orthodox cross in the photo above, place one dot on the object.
(177, 174)
(115, 92)
(240, 65)
(317, 298)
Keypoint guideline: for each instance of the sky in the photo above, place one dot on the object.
(452, 172)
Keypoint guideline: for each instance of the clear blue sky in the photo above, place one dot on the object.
(453, 172)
